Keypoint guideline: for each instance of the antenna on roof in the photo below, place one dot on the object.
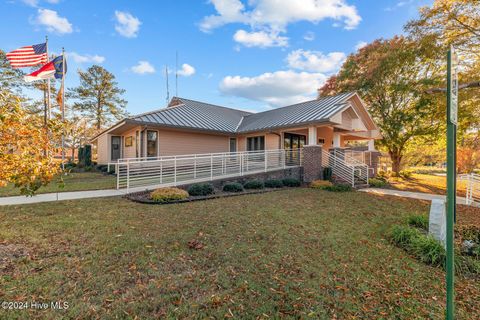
(168, 92)
(176, 73)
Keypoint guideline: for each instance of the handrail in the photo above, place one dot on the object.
(472, 195)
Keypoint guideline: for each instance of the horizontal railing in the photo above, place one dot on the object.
(174, 170)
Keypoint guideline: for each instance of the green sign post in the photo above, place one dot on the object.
(452, 106)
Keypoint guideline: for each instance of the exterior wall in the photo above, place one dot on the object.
(103, 149)
(272, 142)
(130, 152)
(180, 142)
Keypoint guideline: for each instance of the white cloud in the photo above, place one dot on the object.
(85, 58)
(127, 25)
(186, 71)
(309, 36)
(53, 22)
(278, 88)
(260, 39)
(315, 61)
(143, 67)
(360, 45)
(277, 14)
(34, 3)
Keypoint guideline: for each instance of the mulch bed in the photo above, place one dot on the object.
(144, 196)
(468, 215)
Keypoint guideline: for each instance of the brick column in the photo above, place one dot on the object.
(312, 163)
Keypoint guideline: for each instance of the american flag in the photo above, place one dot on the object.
(28, 56)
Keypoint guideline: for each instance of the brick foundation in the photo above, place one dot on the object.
(312, 163)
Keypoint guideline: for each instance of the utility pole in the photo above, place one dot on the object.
(63, 108)
(168, 92)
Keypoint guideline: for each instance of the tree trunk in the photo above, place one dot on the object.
(396, 158)
(73, 154)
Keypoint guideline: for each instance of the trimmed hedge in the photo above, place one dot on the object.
(320, 184)
(291, 182)
(165, 195)
(273, 183)
(233, 187)
(200, 189)
(339, 188)
(254, 184)
(377, 183)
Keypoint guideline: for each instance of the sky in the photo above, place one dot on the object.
(252, 55)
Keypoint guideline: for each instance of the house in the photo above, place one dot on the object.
(192, 127)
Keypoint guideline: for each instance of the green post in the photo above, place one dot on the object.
(451, 179)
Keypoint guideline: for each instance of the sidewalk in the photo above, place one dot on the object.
(409, 194)
(49, 197)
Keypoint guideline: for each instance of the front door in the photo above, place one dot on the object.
(152, 143)
(292, 143)
(116, 144)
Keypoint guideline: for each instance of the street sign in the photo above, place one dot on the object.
(454, 87)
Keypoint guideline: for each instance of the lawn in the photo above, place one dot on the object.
(426, 183)
(294, 253)
(76, 181)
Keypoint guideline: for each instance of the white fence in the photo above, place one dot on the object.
(139, 173)
(473, 188)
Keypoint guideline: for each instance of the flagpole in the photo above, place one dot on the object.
(49, 114)
(63, 108)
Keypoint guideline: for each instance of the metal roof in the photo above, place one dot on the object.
(187, 113)
(305, 112)
(196, 115)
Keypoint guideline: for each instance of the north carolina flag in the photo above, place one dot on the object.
(53, 69)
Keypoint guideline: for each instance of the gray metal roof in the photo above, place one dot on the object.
(306, 112)
(196, 115)
(187, 113)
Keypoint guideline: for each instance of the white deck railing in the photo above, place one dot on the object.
(345, 168)
(473, 188)
(138, 173)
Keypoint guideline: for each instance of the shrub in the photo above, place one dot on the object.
(418, 221)
(428, 250)
(339, 188)
(327, 173)
(164, 195)
(233, 187)
(320, 184)
(291, 182)
(254, 184)
(87, 155)
(405, 174)
(377, 183)
(200, 189)
(273, 183)
(403, 235)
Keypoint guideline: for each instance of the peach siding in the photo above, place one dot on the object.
(179, 142)
(130, 152)
(103, 149)
(327, 134)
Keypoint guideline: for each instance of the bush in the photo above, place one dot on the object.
(339, 188)
(327, 173)
(320, 184)
(273, 183)
(254, 184)
(291, 182)
(377, 183)
(165, 195)
(87, 155)
(403, 235)
(405, 174)
(233, 187)
(200, 189)
(418, 221)
(428, 250)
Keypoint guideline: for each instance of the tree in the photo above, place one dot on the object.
(77, 131)
(23, 141)
(392, 75)
(10, 79)
(98, 96)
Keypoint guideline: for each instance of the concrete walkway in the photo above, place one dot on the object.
(58, 196)
(409, 194)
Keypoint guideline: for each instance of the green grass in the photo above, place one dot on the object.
(295, 253)
(73, 182)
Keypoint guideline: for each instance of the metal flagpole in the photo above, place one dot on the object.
(49, 113)
(63, 108)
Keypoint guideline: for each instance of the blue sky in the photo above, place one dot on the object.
(252, 55)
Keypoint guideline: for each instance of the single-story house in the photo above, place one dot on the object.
(192, 127)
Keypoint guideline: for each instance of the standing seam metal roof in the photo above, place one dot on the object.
(204, 116)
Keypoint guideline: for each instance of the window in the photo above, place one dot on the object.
(321, 141)
(293, 141)
(152, 137)
(233, 144)
(256, 143)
